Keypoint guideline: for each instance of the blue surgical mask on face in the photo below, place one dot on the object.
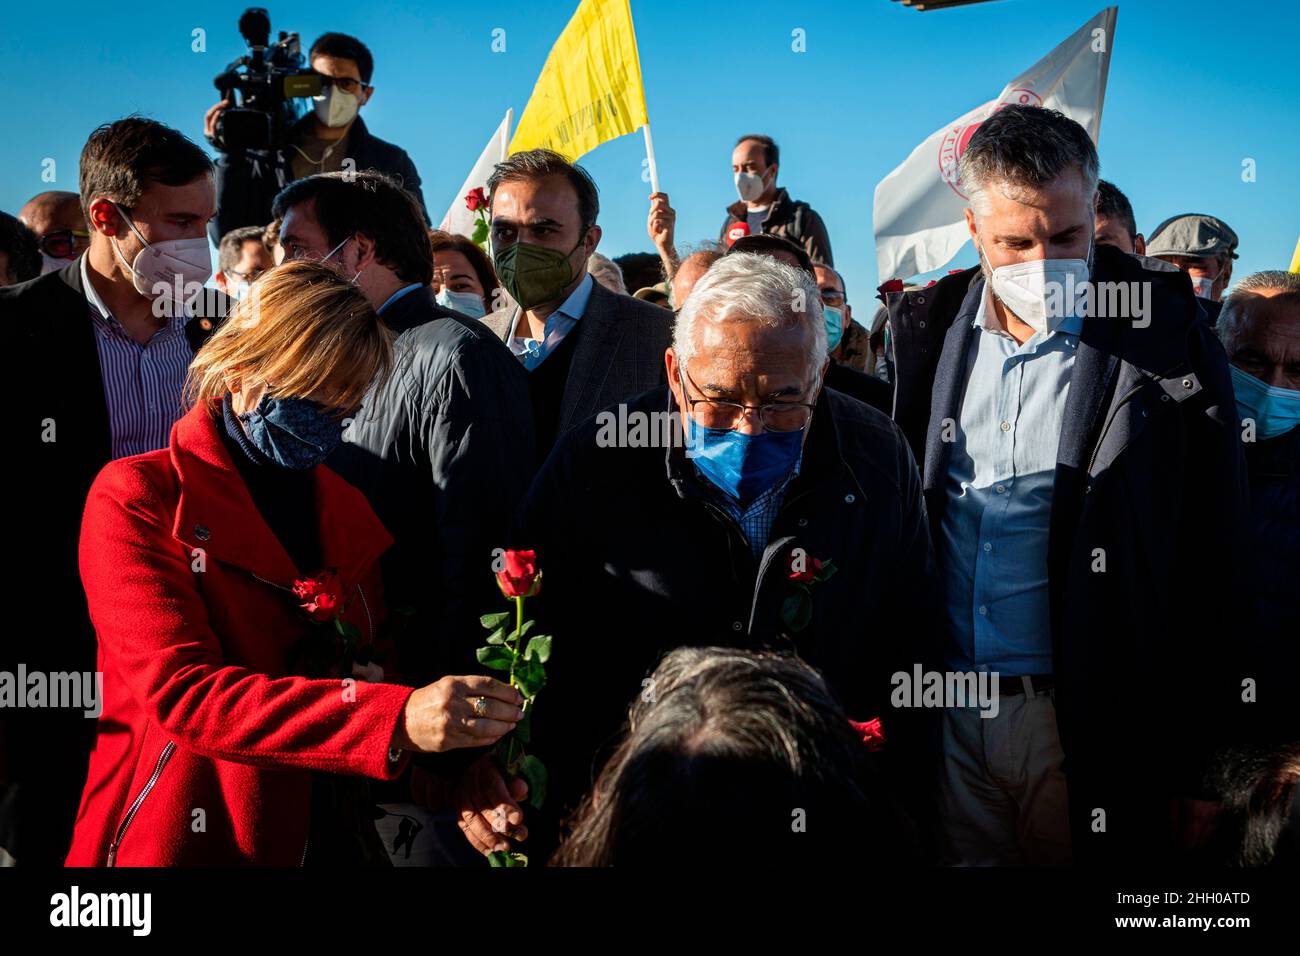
(295, 433)
(1275, 410)
(466, 303)
(744, 466)
(834, 326)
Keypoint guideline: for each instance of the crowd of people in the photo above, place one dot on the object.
(1000, 576)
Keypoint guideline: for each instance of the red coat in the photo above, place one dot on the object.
(206, 740)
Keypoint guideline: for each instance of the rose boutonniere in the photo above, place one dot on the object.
(519, 578)
(476, 202)
(321, 598)
(803, 572)
(871, 732)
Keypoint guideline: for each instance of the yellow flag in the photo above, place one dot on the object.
(1295, 259)
(590, 88)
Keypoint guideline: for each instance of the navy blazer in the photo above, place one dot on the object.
(1147, 513)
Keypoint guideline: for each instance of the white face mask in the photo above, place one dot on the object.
(50, 264)
(1203, 285)
(335, 108)
(166, 268)
(1042, 292)
(749, 186)
(466, 303)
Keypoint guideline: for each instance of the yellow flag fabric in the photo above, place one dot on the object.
(590, 89)
(1295, 259)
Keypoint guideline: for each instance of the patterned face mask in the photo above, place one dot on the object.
(295, 433)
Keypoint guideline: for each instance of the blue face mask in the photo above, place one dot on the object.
(744, 466)
(294, 433)
(834, 326)
(1275, 410)
(466, 303)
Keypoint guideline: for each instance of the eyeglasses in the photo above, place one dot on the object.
(832, 298)
(347, 84)
(250, 275)
(775, 416)
(63, 243)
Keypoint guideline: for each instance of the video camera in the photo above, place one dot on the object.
(271, 83)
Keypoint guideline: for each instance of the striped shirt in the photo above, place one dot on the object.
(142, 383)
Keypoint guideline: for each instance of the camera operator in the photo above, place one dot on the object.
(319, 142)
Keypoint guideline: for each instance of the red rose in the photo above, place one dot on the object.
(476, 200)
(520, 577)
(893, 285)
(319, 596)
(872, 733)
(811, 568)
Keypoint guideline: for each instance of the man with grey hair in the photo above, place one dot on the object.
(606, 271)
(1083, 478)
(742, 504)
(1260, 329)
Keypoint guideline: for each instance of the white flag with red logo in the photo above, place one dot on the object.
(460, 219)
(918, 213)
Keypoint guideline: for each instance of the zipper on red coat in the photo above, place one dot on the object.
(134, 808)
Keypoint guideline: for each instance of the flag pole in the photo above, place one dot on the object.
(505, 140)
(650, 159)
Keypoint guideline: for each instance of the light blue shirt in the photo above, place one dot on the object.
(143, 384)
(397, 295)
(993, 542)
(558, 324)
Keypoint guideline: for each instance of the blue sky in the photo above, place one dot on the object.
(1195, 87)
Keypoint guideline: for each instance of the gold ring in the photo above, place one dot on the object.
(480, 706)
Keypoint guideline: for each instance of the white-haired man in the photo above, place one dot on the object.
(1085, 486)
(1260, 329)
(726, 533)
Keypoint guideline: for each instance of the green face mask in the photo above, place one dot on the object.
(533, 274)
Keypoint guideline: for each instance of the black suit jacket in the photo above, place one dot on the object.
(63, 428)
(620, 353)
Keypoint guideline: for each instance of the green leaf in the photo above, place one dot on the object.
(539, 648)
(497, 658)
(480, 233)
(827, 572)
(498, 858)
(493, 621)
(534, 772)
(530, 677)
(498, 636)
(796, 610)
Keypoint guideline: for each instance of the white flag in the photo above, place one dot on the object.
(918, 218)
(459, 219)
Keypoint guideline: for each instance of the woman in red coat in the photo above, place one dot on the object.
(233, 584)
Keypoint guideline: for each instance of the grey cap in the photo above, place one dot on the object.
(1192, 234)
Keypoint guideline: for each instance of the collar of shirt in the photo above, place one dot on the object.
(397, 295)
(106, 318)
(558, 324)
